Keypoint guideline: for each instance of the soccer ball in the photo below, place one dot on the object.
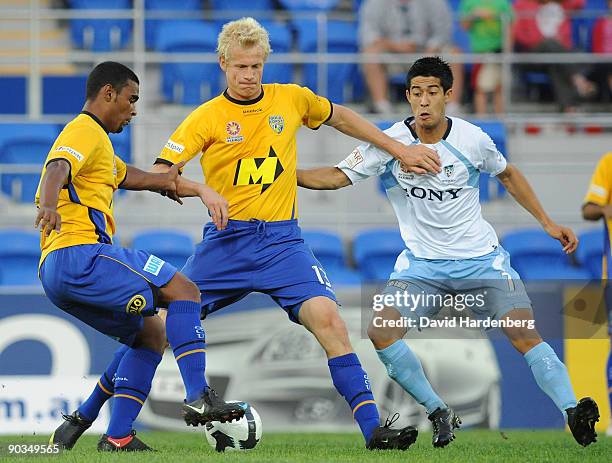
(243, 434)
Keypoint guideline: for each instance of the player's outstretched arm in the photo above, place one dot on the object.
(518, 186)
(56, 176)
(322, 178)
(136, 179)
(416, 158)
(216, 204)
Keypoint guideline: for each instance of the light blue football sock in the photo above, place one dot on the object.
(551, 375)
(405, 369)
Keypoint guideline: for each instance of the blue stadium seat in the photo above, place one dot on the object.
(280, 41)
(100, 35)
(535, 255)
(497, 131)
(63, 94)
(375, 252)
(19, 254)
(13, 89)
(590, 250)
(189, 83)
(23, 150)
(152, 25)
(341, 38)
(309, 5)
(173, 246)
(10, 131)
(582, 27)
(242, 5)
(122, 143)
(328, 249)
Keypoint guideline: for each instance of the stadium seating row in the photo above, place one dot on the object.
(535, 255)
(27, 145)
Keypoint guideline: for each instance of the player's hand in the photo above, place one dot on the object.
(48, 220)
(419, 159)
(173, 179)
(565, 235)
(217, 205)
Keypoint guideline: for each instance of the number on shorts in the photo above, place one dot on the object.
(321, 275)
(507, 276)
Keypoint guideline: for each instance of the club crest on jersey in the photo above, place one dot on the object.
(233, 130)
(136, 305)
(449, 170)
(277, 123)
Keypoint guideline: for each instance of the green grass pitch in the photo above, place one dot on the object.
(470, 446)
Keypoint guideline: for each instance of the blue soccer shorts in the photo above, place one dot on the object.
(107, 287)
(267, 257)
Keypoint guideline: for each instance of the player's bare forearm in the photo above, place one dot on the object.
(416, 158)
(592, 211)
(56, 176)
(352, 124)
(185, 188)
(322, 178)
(136, 179)
(517, 185)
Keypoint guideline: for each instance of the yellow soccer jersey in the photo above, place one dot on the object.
(248, 148)
(600, 193)
(85, 203)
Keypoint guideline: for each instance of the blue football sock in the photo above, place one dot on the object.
(405, 369)
(132, 385)
(104, 389)
(186, 337)
(353, 384)
(551, 375)
(609, 377)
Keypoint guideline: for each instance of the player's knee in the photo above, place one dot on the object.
(383, 337)
(526, 343)
(180, 288)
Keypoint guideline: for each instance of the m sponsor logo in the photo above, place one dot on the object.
(136, 305)
(154, 265)
(258, 171)
(73, 152)
(174, 146)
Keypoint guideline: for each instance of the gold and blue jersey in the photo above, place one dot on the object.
(248, 149)
(85, 203)
(600, 193)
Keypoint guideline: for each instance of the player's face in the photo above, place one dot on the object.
(124, 106)
(428, 100)
(243, 71)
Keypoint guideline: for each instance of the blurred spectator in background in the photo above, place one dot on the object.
(602, 43)
(483, 21)
(544, 26)
(405, 26)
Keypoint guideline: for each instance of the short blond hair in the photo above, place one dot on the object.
(245, 32)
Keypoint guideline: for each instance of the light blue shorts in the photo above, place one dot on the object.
(487, 286)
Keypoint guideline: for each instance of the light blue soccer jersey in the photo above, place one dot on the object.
(439, 214)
